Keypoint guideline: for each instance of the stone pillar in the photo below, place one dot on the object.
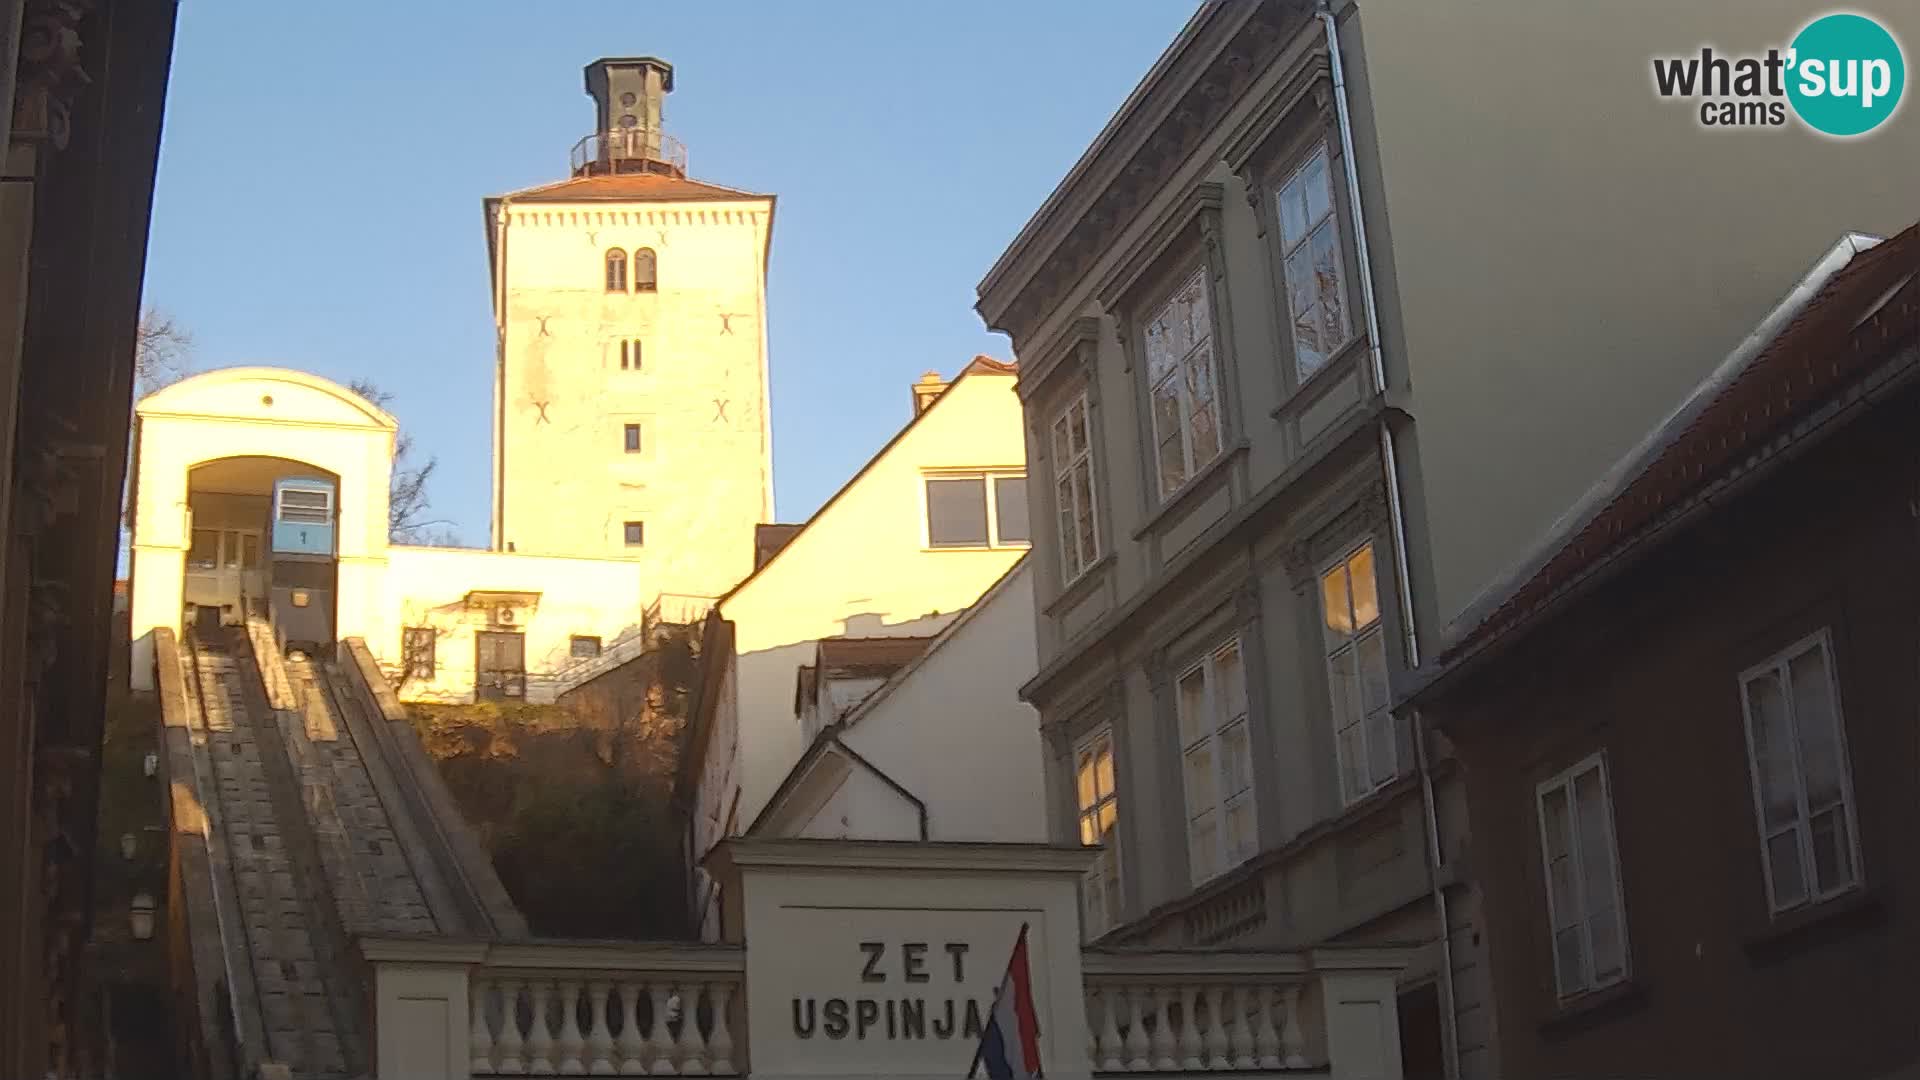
(1362, 1024)
(421, 1025)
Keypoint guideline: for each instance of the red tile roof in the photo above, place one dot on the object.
(1856, 320)
(629, 187)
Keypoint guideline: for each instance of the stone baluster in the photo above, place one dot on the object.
(571, 1044)
(633, 1045)
(1109, 1059)
(1189, 1030)
(1137, 1060)
(1219, 1046)
(660, 1043)
(480, 1036)
(1096, 999)
(600, 1031)
(540, 1037)
(1266, 1041)
(1293, 1045)
(511, 1063)
(1246, 1058)
(1163, 1044)
(720, 1044)
(693, 1049)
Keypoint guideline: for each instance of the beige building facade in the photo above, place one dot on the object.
(631, 391)
(1307, 356)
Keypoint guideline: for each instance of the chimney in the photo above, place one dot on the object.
(628, 93)
(930, 386)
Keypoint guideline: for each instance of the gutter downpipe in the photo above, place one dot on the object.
(1397, 518)
(504, 218)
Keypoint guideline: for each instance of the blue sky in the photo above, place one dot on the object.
(322, 167)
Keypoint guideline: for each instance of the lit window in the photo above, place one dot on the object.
(616, 271)
(1099, 817)
(1216, 763)
(633, 438)
(636, 533)
(1311, 264)
(1583, 878)
(584, 647)
(1181, 383)
(968, 511)
(1073, 477)
(1357, 675)
(416, 651)
(1802, 782)
(645, 270)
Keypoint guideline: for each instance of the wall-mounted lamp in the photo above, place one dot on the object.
(152, 764)
(142, 917)
(129, 846)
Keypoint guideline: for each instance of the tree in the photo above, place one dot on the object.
(407, 501)
(162, 352)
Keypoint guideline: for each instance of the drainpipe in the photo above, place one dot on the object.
(504, 216)
(1398, 524)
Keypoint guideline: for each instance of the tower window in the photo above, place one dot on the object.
(630, 354)
(636, 533)
(644, 270)
(633, 438)
(617, 271)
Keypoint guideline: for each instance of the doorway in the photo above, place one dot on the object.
(1422, 1057)
(500, 665)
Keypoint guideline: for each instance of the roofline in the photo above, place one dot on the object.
(1028, 235)
(154, 403)
(974, 367)
(886, 689)
(829, 737)
(1602, 492)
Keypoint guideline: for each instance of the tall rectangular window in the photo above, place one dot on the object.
(1182, 384)
(635, 533)
(1364, 736)
(416, 651)
(978, 510)
(1802, 782)
(1217, 763)
(1073, 477)
(630, 354)
(1099, 807)
(1312, 265)
(1583, 878)
(631, 437)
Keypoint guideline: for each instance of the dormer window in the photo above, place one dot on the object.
(617, 271)
(644, 270)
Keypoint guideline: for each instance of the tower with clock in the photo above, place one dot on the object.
(630, 390)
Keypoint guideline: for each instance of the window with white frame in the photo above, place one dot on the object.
(1310, 261)
(1182, 384)
(1216, 763)
(1802, 783)
(1364, 737)
(973, 510)
(1073, 478)
(1099, 808)
(1583, 878)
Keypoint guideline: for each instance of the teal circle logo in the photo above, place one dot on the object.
(1846, 74)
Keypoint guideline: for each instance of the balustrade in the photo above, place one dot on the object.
(1195, 1012)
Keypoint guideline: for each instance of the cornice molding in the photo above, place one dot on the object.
(1250, 50)
(1076, 350)
(1310, 82)
(1199, 209)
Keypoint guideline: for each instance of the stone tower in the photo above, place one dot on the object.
(630, 392)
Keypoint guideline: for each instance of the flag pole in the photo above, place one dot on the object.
(980, 1044)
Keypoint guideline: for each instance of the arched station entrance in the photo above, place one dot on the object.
(263, 542)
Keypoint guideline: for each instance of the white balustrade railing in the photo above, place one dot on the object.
(1195, 1012)
(675, 1017)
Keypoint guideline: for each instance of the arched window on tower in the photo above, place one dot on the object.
(617, 271)
(644, 270)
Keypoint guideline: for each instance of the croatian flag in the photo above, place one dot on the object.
(1010, 1045)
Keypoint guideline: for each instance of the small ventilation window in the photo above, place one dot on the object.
(633, 438)
(636, 533)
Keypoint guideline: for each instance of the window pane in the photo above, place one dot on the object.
(1344, 683)
(1085, 773)
(1240, 829)
(1083, 511)
(1783, 859)
(1202, 794)
(1198, 369)
(1293, 211)
(1192, 321)
(1162, 350)
(1814, 723)
(1382, 754)
(1109, 815)
(1353, 763)
(1231, 677)
(249, 551)
(1194, 722)
(230, 550)
(1568, 960)
(1326, 285)
(1077, 426)
(1832, 851)
(1089, 832)
(1317, 187)
(1103, 770)
(1062, 452)
(1302, 291)
(1609, 951)
(1070, 561)
(1334, 604)
(1167, 410)
(1203, 853)
(1596, 854)
(1206, 436)
(1772, 751)
(1366, 587)
(1372, 650)
(1236, 758)
(205, 552)
(1010, 509)
(957, 513)
(1173, 467)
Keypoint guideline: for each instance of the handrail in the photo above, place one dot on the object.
(603, 147)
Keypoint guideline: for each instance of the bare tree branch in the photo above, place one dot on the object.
(407, 500)
(162, 352)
